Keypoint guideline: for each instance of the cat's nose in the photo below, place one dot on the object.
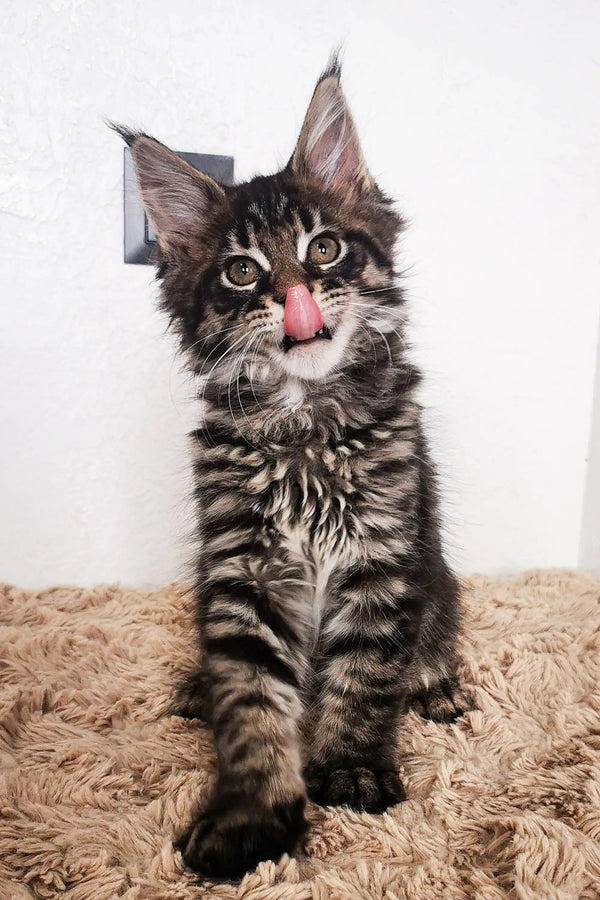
(301, 315)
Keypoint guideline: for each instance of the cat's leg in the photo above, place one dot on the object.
(434, 690)
(253, 662)
(366, 643)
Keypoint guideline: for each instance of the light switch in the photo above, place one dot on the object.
(140, 240)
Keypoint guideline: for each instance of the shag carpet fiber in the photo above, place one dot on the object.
(96, 777)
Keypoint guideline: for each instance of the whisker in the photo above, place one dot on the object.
(243, 354)
(223, 355)
(390, 310)
(212, 334)
(390, 287)
(229, 349)
(368, 330)
(214, 350)
(241, 405)
(260, 342)
(385, 341)
(189, 350)
(370, 321)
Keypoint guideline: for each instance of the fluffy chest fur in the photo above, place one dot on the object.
(309, 505)
(317, 507)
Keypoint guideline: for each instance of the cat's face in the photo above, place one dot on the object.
(287, 276)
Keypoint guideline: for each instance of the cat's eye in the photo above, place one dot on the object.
(243, 271)
(323, 250)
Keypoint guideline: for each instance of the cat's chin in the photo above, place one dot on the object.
(314, 359)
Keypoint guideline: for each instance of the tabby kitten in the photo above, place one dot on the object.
(324, 604)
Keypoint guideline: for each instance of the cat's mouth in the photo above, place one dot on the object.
(323, 334)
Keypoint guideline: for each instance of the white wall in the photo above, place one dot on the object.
(589, 555)
(482, 118)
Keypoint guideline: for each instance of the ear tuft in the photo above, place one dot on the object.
(129, 135)
(179, 201)
(328, 148)
(333, 68)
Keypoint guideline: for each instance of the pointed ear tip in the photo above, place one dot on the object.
(129, 135)
(333, 68)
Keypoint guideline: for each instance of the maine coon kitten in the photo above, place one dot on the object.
(324, 604)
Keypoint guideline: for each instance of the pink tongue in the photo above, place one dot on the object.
(301, 315)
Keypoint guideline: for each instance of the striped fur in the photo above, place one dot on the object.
(324, 601)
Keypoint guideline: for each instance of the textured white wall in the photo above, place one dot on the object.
(589, 554)
(481, 118)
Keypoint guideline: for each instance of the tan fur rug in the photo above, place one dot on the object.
(95, 779)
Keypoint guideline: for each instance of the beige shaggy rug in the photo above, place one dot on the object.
(95, 778)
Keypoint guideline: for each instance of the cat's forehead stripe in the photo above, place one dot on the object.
(243, 242)
(306, 236)
(243, 239)
(254, 252)
(242, 235)
(306, 217)
(275, 208)
(255, 210)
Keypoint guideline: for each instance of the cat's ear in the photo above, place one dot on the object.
(328, 147)
(179, 201)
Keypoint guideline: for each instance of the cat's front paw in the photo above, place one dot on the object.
(234, 834)
(357, 786)
(444, 701)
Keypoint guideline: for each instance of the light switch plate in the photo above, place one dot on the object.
(140, 240)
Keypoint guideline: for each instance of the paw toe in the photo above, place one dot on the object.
(340, 788)
(392, 788)
(357, 787)
(443, 702)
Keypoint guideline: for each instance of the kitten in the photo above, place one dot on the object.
(324, 604)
